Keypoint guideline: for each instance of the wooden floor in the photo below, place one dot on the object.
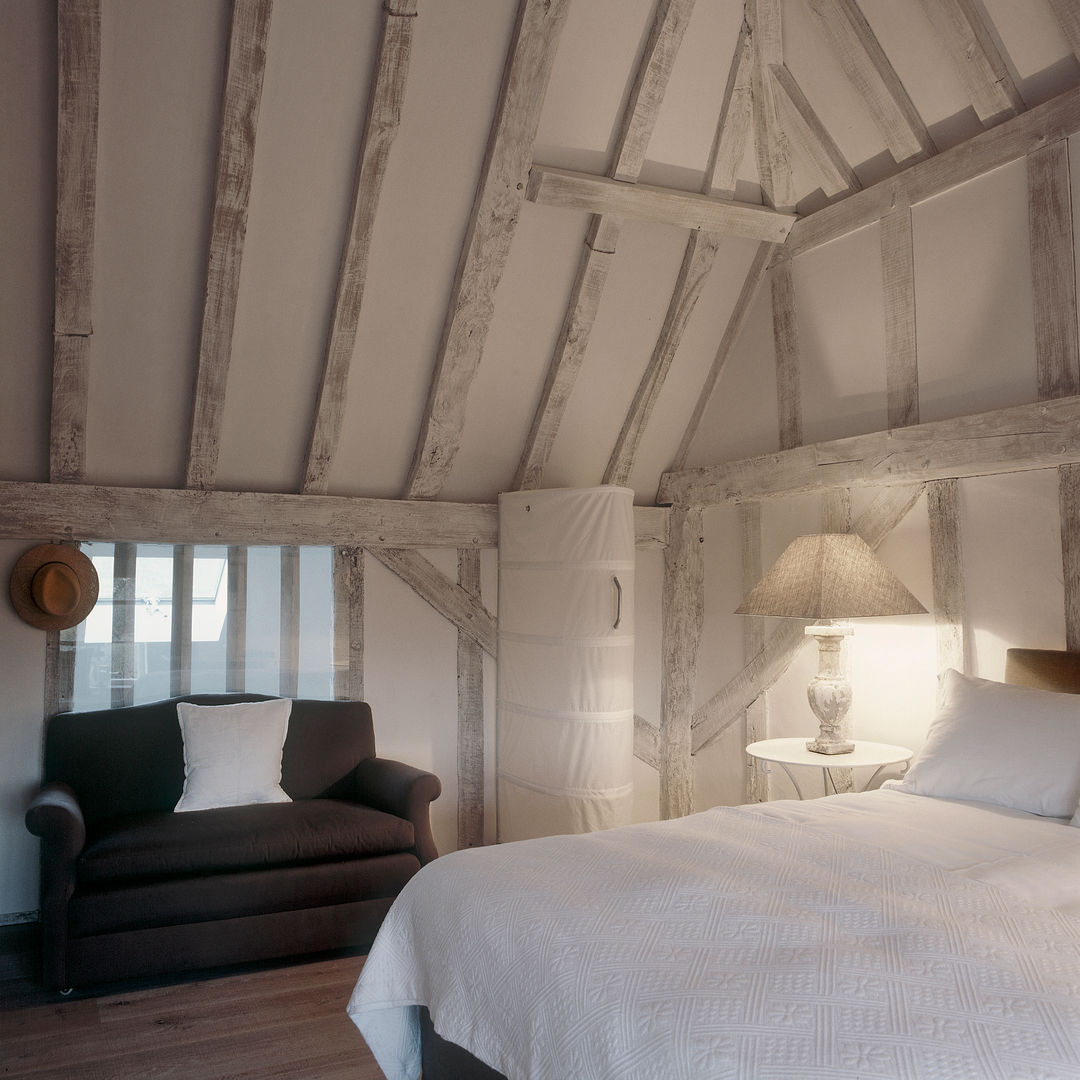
(247, 1024)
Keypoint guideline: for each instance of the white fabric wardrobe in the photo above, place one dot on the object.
(564, 728)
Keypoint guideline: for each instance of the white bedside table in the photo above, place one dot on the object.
(785, 752)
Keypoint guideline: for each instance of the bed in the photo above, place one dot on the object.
(927, 929)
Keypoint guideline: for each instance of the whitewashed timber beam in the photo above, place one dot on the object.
(122, 688)
(736, 118)
(961, 29)
(1069, 507)
(180, 621)
(863, 61)
(639, 118)
(348, 623)
(771, 145)
(242, 94)
(729, 704)
(901, 343)
(1013, 139)
(646, 742)
(470, 732)
(739, 314)
(1068, 17)
(289, 622)
(488, 238)
(1039, 436)
(788, 369)
(385, 99)
(756, 785)
(447, 597)
(78, 74)
(1053, 271)
(682, 613)
(947, 572)
(236, 620)
(580, 191)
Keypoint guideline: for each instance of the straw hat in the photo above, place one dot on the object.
(54, 587)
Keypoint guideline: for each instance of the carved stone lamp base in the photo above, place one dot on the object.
(829, 692)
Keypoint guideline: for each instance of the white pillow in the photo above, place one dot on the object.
(232, 753)
(1006, 745)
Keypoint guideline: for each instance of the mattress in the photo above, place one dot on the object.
(882, 934)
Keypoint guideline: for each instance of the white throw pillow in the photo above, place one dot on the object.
(232, 753)
(1006, 745)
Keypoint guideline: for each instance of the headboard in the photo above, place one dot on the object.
(1044, 669)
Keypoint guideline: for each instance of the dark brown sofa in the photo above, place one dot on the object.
(131, 888)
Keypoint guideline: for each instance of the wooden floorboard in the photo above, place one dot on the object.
(268, 1021)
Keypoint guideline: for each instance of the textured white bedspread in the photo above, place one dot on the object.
(861, 936)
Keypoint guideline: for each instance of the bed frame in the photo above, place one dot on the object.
(1042, 669)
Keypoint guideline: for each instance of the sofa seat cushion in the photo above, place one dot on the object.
(162, 845)
(140, 905)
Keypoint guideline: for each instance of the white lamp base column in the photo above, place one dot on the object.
(829, 691)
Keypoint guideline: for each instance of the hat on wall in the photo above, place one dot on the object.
(54, 587)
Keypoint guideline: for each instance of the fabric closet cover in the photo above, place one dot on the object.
(565, 717)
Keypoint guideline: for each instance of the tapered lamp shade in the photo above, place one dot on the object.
(829, 576)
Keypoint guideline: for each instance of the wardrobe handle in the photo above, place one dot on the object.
(618, 603)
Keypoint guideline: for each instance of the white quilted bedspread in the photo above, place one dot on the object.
(866, 936)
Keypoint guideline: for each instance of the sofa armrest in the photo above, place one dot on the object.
(54, 814)
(402, 790)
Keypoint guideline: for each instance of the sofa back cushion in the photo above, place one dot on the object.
(131, 760)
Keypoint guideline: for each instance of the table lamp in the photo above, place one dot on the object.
(828, 577)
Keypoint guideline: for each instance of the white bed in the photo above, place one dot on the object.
(886, 934)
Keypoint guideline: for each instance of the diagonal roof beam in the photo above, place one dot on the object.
(232, 192)
(385, 100)
(770, 137)
(1068, 17)
(78, 65)
(639, 116)
(487, 241)
(864, 62)
(962, 30)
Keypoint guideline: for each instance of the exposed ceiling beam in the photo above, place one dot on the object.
(1054, 120)
(1038, 436)
(733, 128)
(242, 94)
(864, 62)
(1068, 17)
(773, 150)
(385, 99)
(666, 206)
(78, 72)
(639, 116)
(487, 241)
(965, 36)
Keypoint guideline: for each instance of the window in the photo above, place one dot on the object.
(205, 619)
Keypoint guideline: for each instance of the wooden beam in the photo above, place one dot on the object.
(1021, 437)
(698, 260)
(78, 74)
(666, 206)
(836, 518)
(730, 703)
(732, 332)
(786, 341)
(348, 623)
(824, 156)
(646, 742)
(682, 618)
(1069, 506)
(961, 29)
(1053, 271)
(756, 715)
(385, 99)
(122, 667)
(289, 622)
(236, 621)
(470, 699)
(901, 344)
(771, 144)
(733, 128)
(487, 241)
(863, 61)
(1054, 120)
(1068, 17)
(947, 570)
(232, 191)
(448, 598)
(180, 628)
(639, 116)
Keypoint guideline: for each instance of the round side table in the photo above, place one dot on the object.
(785, 752)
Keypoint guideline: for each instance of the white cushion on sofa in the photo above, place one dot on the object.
(232, 753)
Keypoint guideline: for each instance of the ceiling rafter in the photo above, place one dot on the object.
(78, 74)
(635, 129)
(241, 97)
(487, 241)
(863, 61)
(1068, 17)
(966, 37)
(770, 139)
(385, 100)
